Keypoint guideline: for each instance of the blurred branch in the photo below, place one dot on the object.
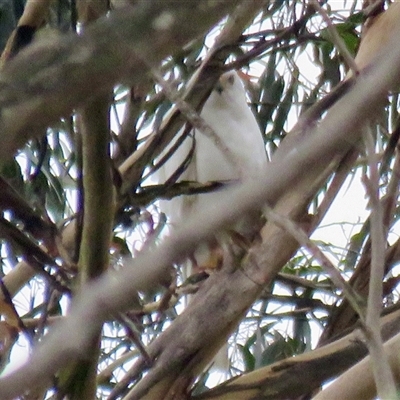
(98, 216)
(385, 384)
(34, 83)
(78, 380)
(295, 31)
(32, 253)
(358, 382)
(35, 12)
(41, 229)
(301, 236)
(149, 194)
(344, 316)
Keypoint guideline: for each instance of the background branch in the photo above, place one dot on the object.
(40, 75)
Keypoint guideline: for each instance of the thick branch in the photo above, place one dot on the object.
(293, 377)
(115, 49)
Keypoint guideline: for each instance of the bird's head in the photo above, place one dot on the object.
(228, 91)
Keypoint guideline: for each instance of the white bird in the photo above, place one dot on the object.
(226, 111)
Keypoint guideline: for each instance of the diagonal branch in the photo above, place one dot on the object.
(302, 373)
(34, 83)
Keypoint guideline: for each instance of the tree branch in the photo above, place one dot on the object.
(302, 373)
(112, 50)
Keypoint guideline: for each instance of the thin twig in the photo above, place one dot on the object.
(338, 179)
(357, 382)
(301, 236)
(385, 384)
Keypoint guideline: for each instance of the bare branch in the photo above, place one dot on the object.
(303, 239)
(385, 384)
(34, 83)
(301, 373)
(358, 381)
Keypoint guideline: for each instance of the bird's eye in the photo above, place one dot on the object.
(231, 79)
(218, 88)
